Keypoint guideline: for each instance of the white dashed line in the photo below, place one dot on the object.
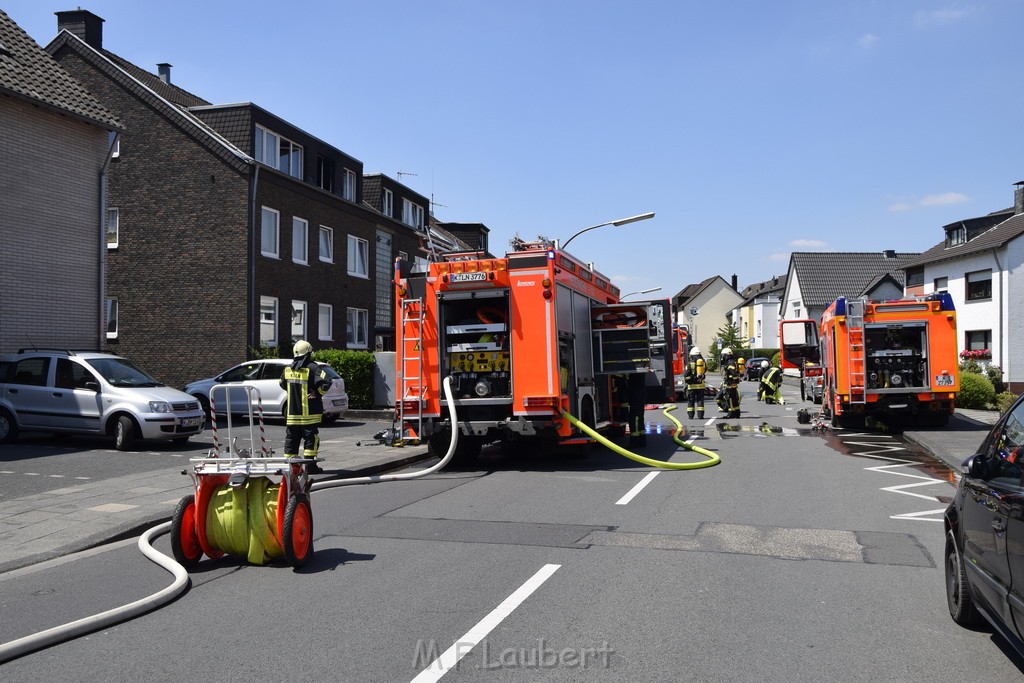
(637, 489)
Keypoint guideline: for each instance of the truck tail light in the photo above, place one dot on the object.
(540, 401)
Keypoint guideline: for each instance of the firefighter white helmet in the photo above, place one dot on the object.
(694, 352)
(301, 348)
(726, 351)
(764, 365)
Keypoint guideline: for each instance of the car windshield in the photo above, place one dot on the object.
(329, 371)
(121, 372)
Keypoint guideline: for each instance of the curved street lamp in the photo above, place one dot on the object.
(621, 221)
(642, 291)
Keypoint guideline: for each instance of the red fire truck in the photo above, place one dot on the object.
(888, 359)
(524, 338)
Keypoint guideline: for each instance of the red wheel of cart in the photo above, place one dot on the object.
(184, 537)
(297, 534)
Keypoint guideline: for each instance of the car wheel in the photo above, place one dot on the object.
(8, 427)
(204, 404)
(330, 419)
(124, 433)
(958, 593)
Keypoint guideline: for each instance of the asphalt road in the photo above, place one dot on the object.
(802, 556)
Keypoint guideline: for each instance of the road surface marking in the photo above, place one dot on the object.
(450, 658)
(636, 489)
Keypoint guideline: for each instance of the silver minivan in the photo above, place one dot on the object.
(84, 392)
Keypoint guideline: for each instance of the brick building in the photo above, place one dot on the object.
(235, 229)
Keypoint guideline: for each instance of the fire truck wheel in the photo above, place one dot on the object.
(184, 538)
(298, 532)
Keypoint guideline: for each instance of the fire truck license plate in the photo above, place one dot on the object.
(468, 277)
(943, 380)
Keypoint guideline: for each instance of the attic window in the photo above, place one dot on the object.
(955, 236)
(4, 51)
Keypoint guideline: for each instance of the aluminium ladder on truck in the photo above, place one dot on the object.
(410, 379)
(858, 359)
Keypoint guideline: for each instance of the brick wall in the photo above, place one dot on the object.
(50, 262)
(180, 269)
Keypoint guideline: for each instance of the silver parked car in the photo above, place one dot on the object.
(265, 375)
(69, 392)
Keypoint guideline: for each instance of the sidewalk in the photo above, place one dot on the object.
(960, 439)
(40, 527)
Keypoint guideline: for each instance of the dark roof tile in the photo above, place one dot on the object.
(825, 276)
(29, 72)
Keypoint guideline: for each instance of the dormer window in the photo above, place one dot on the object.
(412, 214)
(279, 152)
(955, 236)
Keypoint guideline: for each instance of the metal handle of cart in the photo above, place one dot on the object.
(250, 393)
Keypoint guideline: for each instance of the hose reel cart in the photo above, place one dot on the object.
(246, 502)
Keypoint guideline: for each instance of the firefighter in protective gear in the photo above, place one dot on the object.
(305, 383)
(729, 395)
(768, 386)
(694, 378)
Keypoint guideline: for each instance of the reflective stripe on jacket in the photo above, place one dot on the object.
(303, 405)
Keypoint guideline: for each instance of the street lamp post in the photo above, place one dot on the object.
(621, 221)
(642, 291)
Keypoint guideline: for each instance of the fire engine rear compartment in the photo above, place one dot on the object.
(897, 357)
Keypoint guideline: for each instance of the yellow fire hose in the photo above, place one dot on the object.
(714, 459)
(243, 521)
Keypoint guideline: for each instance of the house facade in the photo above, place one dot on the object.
(57, 142)
(979, 263)
(235, 229)
(704, 309)
(757, 317)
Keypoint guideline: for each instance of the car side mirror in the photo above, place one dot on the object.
(92, 386)
(972, 466)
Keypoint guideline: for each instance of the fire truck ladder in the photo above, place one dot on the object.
(410, 383)
(855, 326)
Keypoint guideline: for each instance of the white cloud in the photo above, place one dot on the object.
(944, 199)
(867, 40)
(939, 199)
(941, 17)
(808, 245)
(780, 256)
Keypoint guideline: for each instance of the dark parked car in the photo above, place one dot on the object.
(754, 370)
(984, 555)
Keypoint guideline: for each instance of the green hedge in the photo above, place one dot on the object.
(976, 391)
(357, 368)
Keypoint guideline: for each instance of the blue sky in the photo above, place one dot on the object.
(752, 129)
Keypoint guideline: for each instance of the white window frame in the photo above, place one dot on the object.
(389, 203)
(358, 256)
(412, 214)
(300, 240)
(278, 152)
(299, 319)
(268, 321)
(348, 185)
(110, 311)
(270, 235)
(326, 243)
(115, 144)
(113, 217)
(357, 328)
(325, 322)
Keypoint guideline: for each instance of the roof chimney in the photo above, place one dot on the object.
(889, 253)
(735, 282)
(164, 69)
(83, 24)
(1018, 198)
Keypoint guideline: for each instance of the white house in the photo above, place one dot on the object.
(704, 308)
(979, 264)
